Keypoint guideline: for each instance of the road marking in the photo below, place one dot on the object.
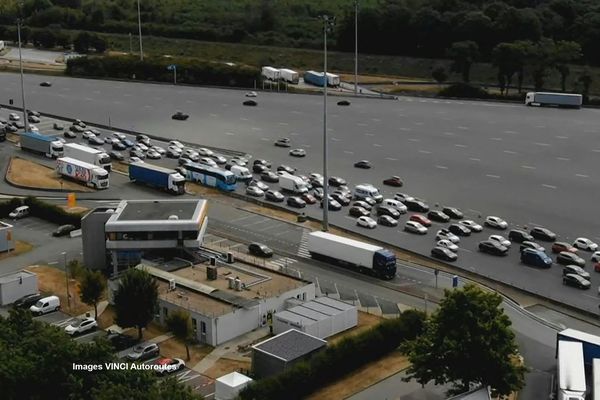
(464, 128)
(294, 133)
(562, 137)
(424, 152)
(265, 139)
(441, 167)
(306, 146)
(413, 140)
(243, 119)
(541, 144)
(348, 152)
(375, 119)
(548, 186)
(376, 145)
(498, 139)
(563, 158)
(369, 134)
(510, 152)
(474, 159)
(493, 176)
(596, 150)
(540, 126)
(254, 128)
(449, 133)
(405, 129)
(361, 124)
(513, 132)
(230, 133)
(283, 123)
(582, 175)
(460, 145)
(391, 159)
(335, 139)
(296, 112)
(213, 115)
(419, 123)
(527, 167)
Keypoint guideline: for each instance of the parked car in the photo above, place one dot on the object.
(500, 240)
(255, 182)
(495, 222)
(444, 233)
(336, 181)
(576, 281)
(415, 227)
(283, 142)
(169, 365)
(535, 258)
(517, 235)
(274, 195)
(27, 301)
(119, 146)
(459, 230)
(57, 126)
(296, 202)
(250, 103)
(492, 247)
(19, 212)
(298, 153)
(180, 116)
(366, 222)
(595, 257)
(577, 270)
(269, 176)
(64, 230)
(386, 220)
(585, 244)
(69, 134)
(286, 168)
(143, 351)
(394, 181)
(443, 253)
(363, 164)
(363, 204)
(96, 141)
(543, 234)
(332, 205)
(45, 305)
(558, 247)
(420, 219)
(416, 205)
(340, 198)
(81, 325)
(115, 155)
(566, 258)
(453, 212)
(438, 216)
(447, 244)
(387, 210)
(254, 191)
(472, 225)
(260, 250)
(531, 245)
(357, 211)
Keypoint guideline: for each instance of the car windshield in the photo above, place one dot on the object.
(77, 323)
(138, 349)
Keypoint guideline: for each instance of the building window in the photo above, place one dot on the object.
(194, 325)
(165, 312)
(203, 327)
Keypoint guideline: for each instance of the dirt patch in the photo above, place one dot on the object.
(175, 349)
(120, 167)
(365, 321)
(400, 88)
(20, 248)
(107, 318)
(75, 210)
(153, 330)
(52, 280)
(363, 377)
(37, 176)
(224, 366)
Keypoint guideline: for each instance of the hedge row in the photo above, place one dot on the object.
(189, 70)
(41, 209)
(338, 360)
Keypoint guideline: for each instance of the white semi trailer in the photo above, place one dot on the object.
(567, 100)
(571, 371)
(88, 154)
(89, 174)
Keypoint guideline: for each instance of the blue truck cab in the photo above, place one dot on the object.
(384, 263)
(536, 258)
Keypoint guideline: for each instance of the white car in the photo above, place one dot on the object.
(169, 365)
(153, 155)
(14, 117)
(135, 159)
(88, 135)
(141, 146)
(298, 153)
(207, 161)
(315, 176)
(111, 140)
(81, 325)
(495, 222)
(119, 135)
(203, 151)
(33, 118)
(402, 197)
(251, 94)
(415, 227)
(176, 143)
(219, 159)
(472, 225)
(254, 191)
(174, 149)
(585, 244)
(500, 240)
(159, 150)
(595, 257)
(446, 234)
(366, 222)
(447, 244)
(33, 128)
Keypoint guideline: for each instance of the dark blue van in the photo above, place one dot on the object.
(536, 258)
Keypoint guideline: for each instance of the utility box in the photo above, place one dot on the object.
(14, 286)
(7, 239)
(229, 386)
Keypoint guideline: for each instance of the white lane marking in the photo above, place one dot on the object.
(510, 152)
(474, 159)
(413, 140)
(563, 158)
(283, 123)
(375, 119)
(296, 112)
(562, 137)
(225, 105)
(88, 99)
(230, 133)
(582, 175)
(213, 115)
(361, 124)
(376, 145)
(548, 186)
(294, 134)
(424, 152)
(596, 150)
(265, 139)
(335, 139)
(464, 128)
(541, 144)
(243, 119)
(329, 129)
(512, 132)
(149, 107)
(391, 159)
(419, 123)
(449, 133)
(493, 176)
(306, 146)
(460, 145)
(405, 129)
(348, 152)
(441, 167)
(527, 167)
(498, 139)
(254, 128)
(369, 134)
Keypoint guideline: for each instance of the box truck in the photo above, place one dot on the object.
(566, 100)
(241, 173)
(159, 177)
(88, 154)
(363, 257)
(270, 73)
(591, 343)
(41, 144)
(570, 371)
(292, 183)
(89, 174)
(289, 75)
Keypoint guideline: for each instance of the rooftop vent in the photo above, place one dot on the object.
(173, 217)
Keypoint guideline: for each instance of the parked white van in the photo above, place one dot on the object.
(241, 173)
(395, 204)
(45, 305)
(19, 212)
(366, 190)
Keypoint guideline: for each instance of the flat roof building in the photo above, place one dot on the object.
(121, 237)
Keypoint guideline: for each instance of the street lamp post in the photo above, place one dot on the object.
(355, 47)
(64, 254)
(328, 23)
(25, 119)
(140, 30)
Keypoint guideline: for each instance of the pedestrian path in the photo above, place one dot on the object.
(303, 246)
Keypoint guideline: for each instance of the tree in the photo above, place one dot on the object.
(136, 300)
(439, 74)
(98, 44)
(467, 342)
(564, 53)
(586, 81)
(82, 42)
(44, 38)
(92, 288)
(180, 324)
(509, 58)
(463, 55)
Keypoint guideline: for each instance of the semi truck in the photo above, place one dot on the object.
(571, 383)
(88, 154)
(596, 379)
(292, 183)
(159, 177)
(270, 73)
(289, 75)
(363, 257)
(89, 174)
(591, 343)
(566, 100)
(317, 79)
(41, 144)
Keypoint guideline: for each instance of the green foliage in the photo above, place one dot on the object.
(439, 74)
(189, 70)
(463, 56)
(136, 300)
(51, 212)
(7, 206)
(180, 324)
(338, 360)
(467, 341)
(463, 90)
(84, 41)
(92, 287)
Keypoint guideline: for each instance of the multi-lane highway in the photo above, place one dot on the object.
(530, 166)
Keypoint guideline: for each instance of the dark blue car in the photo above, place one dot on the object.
(536, 258)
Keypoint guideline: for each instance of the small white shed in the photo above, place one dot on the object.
(14, 286)
(229, 386)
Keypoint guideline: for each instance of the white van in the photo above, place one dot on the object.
(241, 173)
(19, 212)
(395, 204)
(366, 190)
(45, 305)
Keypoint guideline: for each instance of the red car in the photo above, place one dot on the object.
(420, 219)
(557, 247)
(395, 181)
(597, 267)
(309, 198)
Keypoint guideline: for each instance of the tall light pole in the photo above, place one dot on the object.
(25, 119)
(355, 47)
(140, 31)
(64, 254)
(328, 23)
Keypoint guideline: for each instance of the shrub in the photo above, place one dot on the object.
(465, 91)
(51, 212)
(7, 206)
